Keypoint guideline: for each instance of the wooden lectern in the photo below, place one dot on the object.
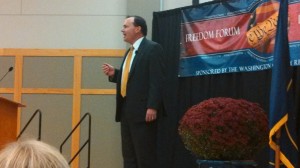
(8, 120)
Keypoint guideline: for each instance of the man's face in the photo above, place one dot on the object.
(130, 32)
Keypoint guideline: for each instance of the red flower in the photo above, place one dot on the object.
(224, 129)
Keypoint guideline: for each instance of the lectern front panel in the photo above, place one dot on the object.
(8, 121)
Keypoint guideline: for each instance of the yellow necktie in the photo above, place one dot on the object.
(126, 72)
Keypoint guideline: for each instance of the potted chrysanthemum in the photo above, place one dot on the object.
(224, 129)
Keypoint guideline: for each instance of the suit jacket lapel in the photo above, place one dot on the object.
(139, 54)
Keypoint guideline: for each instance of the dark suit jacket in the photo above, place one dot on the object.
(145, 81)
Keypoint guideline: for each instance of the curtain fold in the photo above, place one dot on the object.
(166, 31)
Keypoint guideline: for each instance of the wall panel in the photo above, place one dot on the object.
(92, 76)
(106, 140)
(75, 7)
(10, 6)
(55, 31)
(5, 64)
(56, 117)
(48, 72)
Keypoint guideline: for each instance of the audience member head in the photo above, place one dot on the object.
(31, 154)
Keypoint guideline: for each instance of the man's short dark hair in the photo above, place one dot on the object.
(139, 21)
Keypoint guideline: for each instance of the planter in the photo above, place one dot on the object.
(226, 164)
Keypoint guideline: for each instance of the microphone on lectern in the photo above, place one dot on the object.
(9, 70)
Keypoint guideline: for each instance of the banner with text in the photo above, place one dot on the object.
(234, 36)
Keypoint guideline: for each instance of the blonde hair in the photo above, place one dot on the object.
(31, 154)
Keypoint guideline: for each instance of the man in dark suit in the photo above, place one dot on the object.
(139, 94)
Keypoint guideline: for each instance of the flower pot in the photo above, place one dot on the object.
(226, 164)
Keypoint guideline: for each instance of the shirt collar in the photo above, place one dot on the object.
(137, 43)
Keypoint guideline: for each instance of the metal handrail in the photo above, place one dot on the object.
(88, 141)
(38, 111)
